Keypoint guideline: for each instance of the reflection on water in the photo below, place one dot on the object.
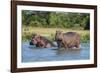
(32, 54)
(70, 51)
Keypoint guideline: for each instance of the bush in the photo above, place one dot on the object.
(85, 38)
(35, 24)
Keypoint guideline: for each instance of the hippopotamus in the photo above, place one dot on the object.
(41, 42)
(33, 41)
(67, 40)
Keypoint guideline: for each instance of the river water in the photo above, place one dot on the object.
(32, 54)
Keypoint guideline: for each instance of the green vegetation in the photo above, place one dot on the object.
(55, 19)
(46, 23)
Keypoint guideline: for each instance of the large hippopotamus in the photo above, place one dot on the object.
(67, 40)
(41, 42)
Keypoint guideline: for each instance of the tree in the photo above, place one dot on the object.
(55, 19)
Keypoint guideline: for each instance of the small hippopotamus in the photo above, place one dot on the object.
(33, 41)
(41, 41)
(67, 40)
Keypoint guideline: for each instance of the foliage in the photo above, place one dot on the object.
(55, 19)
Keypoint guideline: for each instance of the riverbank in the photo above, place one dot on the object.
(27, 33)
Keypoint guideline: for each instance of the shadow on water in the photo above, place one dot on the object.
(31, 53)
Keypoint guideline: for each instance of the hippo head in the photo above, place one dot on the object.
(58, 36)
(33, 40)
(37, 38)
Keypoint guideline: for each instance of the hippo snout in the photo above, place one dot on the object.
(31, 43)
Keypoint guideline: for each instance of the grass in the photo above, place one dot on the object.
(27, 33)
